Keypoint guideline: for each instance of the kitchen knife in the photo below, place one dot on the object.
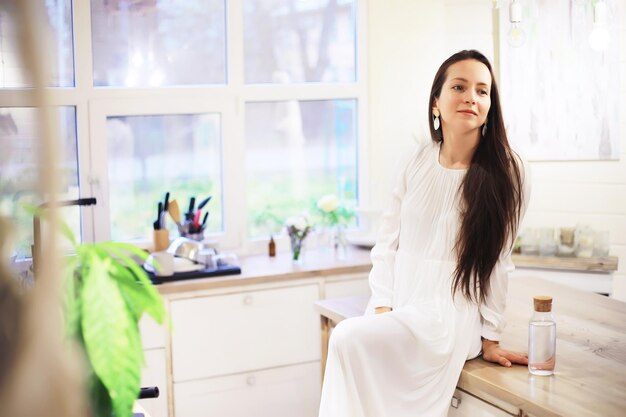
(189, 214)
(167, 200)
(204, 202)
(159, 219)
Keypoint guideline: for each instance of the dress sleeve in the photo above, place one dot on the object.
(383, 254)
(492, 309)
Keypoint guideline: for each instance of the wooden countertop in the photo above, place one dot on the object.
(591, 330)
(262, 269)
(591, 353)
(594, 264)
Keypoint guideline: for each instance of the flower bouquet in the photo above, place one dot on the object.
(336, 216)
(298, 228)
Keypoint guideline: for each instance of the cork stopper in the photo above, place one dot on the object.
(543, 303)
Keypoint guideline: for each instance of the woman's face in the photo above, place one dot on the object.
(465, 99)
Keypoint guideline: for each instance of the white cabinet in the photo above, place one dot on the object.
(347, 286)
(284, 391)
(154, 374)
(467, 405)
(250, 351)
(152, 334)
(233, 333)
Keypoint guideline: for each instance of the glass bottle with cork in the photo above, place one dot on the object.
(542, 338)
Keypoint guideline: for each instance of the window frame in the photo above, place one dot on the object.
(94, 104)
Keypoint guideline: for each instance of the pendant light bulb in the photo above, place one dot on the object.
(516, 36)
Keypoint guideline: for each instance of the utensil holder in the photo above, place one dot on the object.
(161, 239)
(184, 231)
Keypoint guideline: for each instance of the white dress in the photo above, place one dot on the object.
(406, 363)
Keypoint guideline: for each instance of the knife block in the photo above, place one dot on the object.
(161, 240)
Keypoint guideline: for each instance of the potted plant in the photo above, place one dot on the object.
(106, 294)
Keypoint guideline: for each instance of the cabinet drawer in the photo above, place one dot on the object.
(466, 405)
(347, 288)
(289, 391)
(152, 334)
(227, 334)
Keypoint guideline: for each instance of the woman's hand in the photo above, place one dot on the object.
(492, 352)
(379, 310)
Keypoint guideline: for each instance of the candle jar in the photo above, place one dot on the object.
(567, 246)
(547, 242)
(601, 243)
(584, 242)
(530, 242)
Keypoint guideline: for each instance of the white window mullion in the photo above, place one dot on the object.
(301, 92)
(98, 176)
(235, 204)
(363, 106)
(83, 52)
(80, 95)
(88, 220)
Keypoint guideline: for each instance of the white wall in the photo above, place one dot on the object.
(593, 193)
(407, 42)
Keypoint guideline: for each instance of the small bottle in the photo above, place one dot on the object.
(542, 338)
(272, 247)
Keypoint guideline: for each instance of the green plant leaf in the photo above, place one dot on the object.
(101, 405)
(139, 297)
(137, 280)
(111, 336)
(141, 254)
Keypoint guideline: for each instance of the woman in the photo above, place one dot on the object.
(440, 264)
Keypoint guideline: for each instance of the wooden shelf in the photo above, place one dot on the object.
(599, 264)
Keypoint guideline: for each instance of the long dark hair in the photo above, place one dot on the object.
(491, 193)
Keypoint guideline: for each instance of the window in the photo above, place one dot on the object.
(58, 21)
(305, 149)
(158, 43)
(299, 41)
(255, 103)
(149, 154)
(19, 170)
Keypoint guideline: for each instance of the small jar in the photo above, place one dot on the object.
(584, 242)
(601, 243)
(547, 242)
(530, 242)
(567, 246)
